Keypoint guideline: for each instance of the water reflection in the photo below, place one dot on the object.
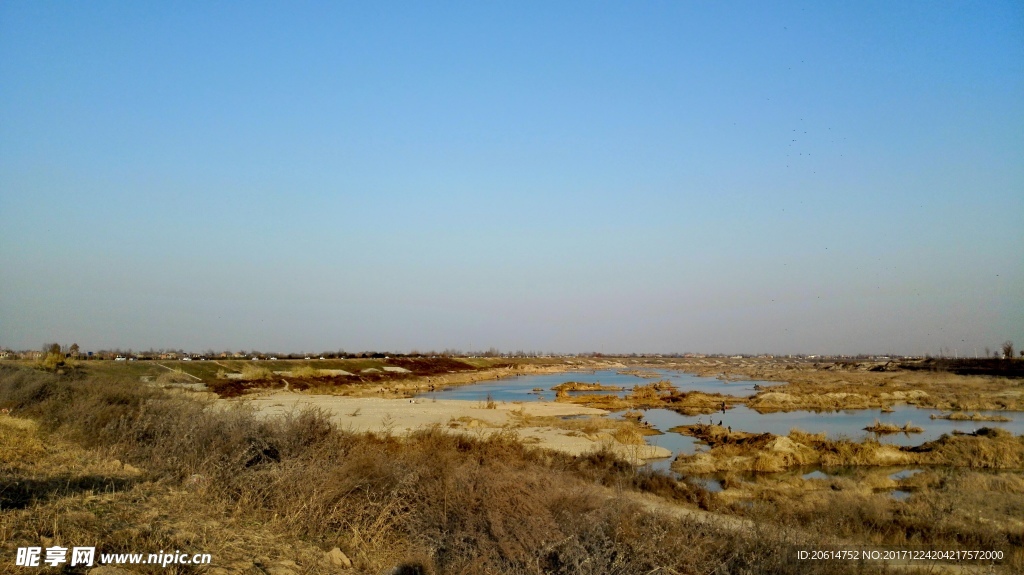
(904, 474)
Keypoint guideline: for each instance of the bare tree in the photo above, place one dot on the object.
(1007, 349)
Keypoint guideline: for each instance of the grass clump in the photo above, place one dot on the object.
(583, 386)
(306, 371)
(251, 372)
(961, 416)
(889, 428)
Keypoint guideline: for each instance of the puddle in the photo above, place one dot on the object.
(904, 474)
(816, 475)
(663, 465)
(899, 494)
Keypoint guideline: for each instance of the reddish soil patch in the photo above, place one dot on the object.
(430, 365)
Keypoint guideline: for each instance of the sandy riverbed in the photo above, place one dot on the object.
(364, 414)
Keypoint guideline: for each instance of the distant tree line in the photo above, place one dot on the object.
(57, 353)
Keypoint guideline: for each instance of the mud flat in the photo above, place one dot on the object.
(547, 425)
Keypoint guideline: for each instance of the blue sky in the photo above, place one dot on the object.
(819, 177)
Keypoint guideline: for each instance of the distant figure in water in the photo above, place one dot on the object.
(723, 407)
(730, 429)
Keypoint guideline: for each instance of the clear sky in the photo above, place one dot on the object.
(737, 177)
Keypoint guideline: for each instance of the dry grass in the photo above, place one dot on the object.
(889, 428)
(306, 371)
(271, 496)
(832, 385)
(948, 508)
(740, 451)
(826, 386)
(274, 495)
(659, 394)
(582, 386)
(253, 372)
(960, 416)
(175, 376)
(626, 432)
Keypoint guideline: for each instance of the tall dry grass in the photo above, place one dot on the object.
(252, 372)
(948, 508)
(449, 503)
(306, 371)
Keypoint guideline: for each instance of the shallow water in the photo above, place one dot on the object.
(847, 424)
(709, 484)
(521, 388)
(661, 419)
(850, 424)
(904, 474)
